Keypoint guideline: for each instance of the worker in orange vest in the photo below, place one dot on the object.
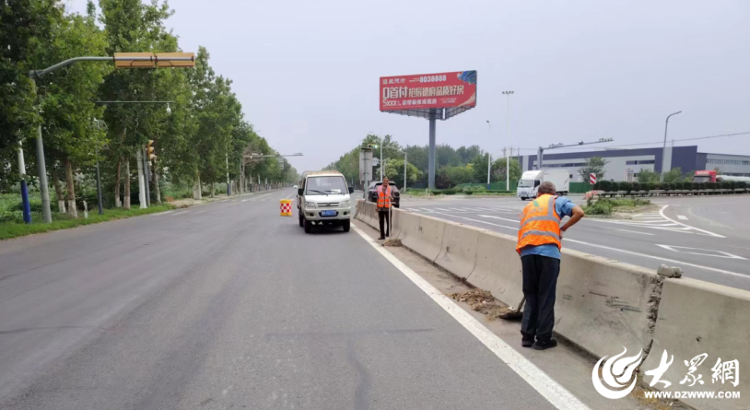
(539, 243)
(385, 195)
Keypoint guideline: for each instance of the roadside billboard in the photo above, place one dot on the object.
(425, 91)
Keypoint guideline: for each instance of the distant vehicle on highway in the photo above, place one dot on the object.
(371, 194)
(711, 176)
(296, 187)
(530, 181)
(324, 199)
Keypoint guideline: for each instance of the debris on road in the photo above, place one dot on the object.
(669, 272)
(392, 242)
(482, 301)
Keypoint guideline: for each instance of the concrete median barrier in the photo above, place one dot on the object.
(603, 304)
(396, 223)
(427, 239)
(697, 317)
(409, 227)
(458, 251)
(498, 267)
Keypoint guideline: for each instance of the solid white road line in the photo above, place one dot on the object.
(642, 233)
(290, 195)
(245, 200)
(162, 213)
(682, 217)
(502, 219)
(661, 212)
(199, 212)
(556, 394)
(260, 196)
(487, 223)
(180, 213)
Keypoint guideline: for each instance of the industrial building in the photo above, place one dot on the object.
(625, 164)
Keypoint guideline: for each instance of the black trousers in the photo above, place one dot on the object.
(384, 215)
(539, 287)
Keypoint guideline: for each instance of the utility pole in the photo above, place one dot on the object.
(147, 177)
(98, 182)
(382, 161)
(507, 136)
(489, 157)
(405, 171)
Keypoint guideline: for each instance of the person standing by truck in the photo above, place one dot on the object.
(385, 195)
(539, 243)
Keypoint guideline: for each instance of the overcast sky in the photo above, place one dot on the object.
(307, 72)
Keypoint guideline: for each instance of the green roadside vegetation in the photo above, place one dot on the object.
(12, 225)
(606, 206)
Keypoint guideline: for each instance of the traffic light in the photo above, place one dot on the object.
(150, 150)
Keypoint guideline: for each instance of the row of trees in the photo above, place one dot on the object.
(453, 166)
(204, 137)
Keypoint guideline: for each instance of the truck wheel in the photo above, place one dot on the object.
(301, 221)
(308, 226)
(347, 225)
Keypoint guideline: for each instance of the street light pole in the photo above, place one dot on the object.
(405, 171)
(664, 148)
(382, 163)
(507, 136)
(24, 187)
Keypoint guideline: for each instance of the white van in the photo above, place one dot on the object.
(530, 181)
(323, 198)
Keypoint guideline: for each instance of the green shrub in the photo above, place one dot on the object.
(601, 207)
(637, 186)
(469, 192)
(741, 184)
(449, 191)
(436, 192)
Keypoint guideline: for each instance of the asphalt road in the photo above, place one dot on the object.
(230, 305)
(709, 237)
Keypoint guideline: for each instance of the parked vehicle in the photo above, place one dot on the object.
(530, 181)
(324, 199)
(711, 176)
(371, 194)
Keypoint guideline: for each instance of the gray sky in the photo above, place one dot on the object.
(307, 72)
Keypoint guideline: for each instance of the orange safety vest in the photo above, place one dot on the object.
(384, 197)
(540, 224)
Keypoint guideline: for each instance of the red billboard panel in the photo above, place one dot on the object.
(424, 91)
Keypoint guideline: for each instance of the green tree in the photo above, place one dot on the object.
(593, 165)
(646, 176)
(395, 172)
(674, 175)
(499, 170)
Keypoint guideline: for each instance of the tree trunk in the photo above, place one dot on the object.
(58, 193)
(126, 199)
(118, 179)
(213, 189)
(157, 191)
(72, 209)
(197, 188)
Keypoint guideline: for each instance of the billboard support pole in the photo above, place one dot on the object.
(431, 160)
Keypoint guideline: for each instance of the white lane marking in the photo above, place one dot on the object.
(643, 255)
(682, 217)
(440, 209)
(162, 213)
(487, 223)
(245, 200)
(642, 233)
(703, 252)
(199, 212)
(260, 196)
(290, 195)
(502, 219)
(180, 213)
(661, 212)
(556, 394)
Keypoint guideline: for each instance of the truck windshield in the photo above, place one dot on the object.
(325, 186)
(701, 179)
(526, 183)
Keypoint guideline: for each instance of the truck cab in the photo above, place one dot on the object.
(530, 181)
(323, 199)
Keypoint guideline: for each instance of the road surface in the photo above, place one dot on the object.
(707, 236)
(229, 305)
